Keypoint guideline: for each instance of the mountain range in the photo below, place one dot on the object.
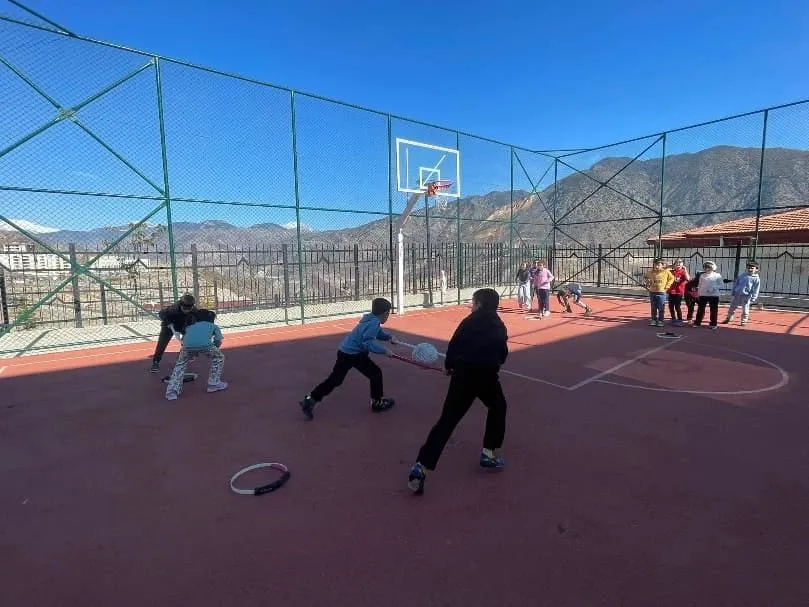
(700, 188)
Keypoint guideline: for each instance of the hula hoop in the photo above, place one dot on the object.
(268, 488)
(669, 335)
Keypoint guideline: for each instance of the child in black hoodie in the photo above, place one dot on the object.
(474, 356)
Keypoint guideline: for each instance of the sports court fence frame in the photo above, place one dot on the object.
(448, 244)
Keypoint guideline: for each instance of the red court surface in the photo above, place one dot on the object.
(640, 471)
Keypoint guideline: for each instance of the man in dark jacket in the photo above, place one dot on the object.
(474, 356)
(179, 315)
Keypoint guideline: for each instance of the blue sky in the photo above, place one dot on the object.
(539, 75)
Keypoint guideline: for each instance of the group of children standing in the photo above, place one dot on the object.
(674, 285)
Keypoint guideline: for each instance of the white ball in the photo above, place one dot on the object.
(425, 353)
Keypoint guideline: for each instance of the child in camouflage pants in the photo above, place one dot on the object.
(203, 337)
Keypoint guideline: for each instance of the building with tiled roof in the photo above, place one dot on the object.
(790, 227)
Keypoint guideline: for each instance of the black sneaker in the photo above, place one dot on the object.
(308, 406)
(491, 462)
(155, 366)
(382, 404)
(416, 478)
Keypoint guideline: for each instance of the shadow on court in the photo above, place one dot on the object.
(112, 494)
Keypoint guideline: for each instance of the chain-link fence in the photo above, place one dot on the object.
(128, 179)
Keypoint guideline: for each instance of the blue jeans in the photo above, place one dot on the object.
(658, 305)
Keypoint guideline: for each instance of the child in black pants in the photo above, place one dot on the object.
(474, 356)
(353, 354)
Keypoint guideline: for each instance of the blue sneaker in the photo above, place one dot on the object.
(491, 462)
(416, 478)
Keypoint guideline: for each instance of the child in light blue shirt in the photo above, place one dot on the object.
(745, 292)
(202, 337)
(353, 353)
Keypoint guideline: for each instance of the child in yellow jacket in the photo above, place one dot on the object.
(658, 281)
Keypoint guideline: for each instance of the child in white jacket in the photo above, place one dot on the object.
(710, 287)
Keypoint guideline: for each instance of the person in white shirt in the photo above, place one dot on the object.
(710, 287)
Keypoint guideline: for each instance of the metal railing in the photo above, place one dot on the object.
(127, 178)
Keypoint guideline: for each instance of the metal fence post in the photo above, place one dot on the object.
(662, 190)
(301, 287)
(74, 279)
(511, 212)
(4, 300)
(760, 180)
(459, 267)
(391, 256)
(166, 188)
(195, 272)
(598, 267)
(285, 269)
(356, 272)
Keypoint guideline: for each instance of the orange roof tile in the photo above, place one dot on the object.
(789, 221)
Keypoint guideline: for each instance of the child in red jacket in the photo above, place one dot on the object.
(677, 292)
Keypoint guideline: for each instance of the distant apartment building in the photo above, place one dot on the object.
(23, 257)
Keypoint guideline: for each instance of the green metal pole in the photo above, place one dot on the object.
(458, 248)
(390, 213)
(301, 294)
(662, 190)
(166, 189)
(511, 214)
(555, 200)
(760, 180)
(61, 28)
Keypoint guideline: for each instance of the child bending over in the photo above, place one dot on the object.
(202, 337)
(173, 319)
(353, 354)
(474, 356)
(572, 291)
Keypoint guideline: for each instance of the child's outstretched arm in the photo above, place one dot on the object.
(369, 337)
(755, 291)
(385, 336)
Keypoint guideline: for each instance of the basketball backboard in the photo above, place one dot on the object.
(419, 163)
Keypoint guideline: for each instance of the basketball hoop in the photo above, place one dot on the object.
(438, 185)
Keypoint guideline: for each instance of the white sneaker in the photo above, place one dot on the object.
(172, 395)
(222, 385)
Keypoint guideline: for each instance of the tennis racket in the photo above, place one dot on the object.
(416, 363)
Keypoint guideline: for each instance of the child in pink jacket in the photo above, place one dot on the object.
(542, 287)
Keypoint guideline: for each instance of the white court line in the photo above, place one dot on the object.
(506, 371)
(776, 386)
(619, 366)
(2, 369)
(534, 379)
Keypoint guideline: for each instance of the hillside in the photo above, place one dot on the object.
(709, 182)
